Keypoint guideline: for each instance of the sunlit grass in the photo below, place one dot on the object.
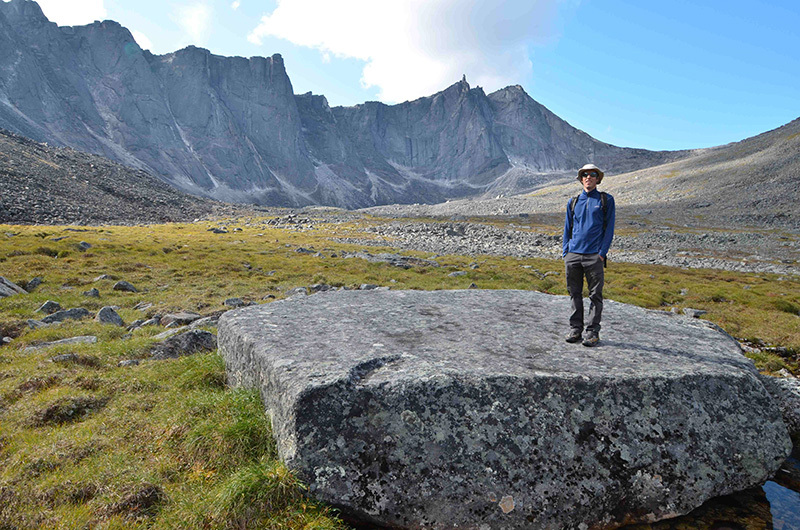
(170, 435)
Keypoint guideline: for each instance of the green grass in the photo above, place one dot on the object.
(85, 443)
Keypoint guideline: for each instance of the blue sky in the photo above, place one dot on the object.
(656, 75)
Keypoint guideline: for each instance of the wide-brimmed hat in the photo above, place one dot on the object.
(591, 167)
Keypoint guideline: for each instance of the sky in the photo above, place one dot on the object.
(650, 74)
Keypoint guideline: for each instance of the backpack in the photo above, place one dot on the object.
(603, 200)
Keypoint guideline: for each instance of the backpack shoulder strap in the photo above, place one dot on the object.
(572, 204)
(603, 201)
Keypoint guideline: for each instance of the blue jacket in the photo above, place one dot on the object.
(587, 234)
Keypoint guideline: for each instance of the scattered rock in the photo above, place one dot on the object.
(472, 286)
(9, 288)
(33, 284)
(234, 302)
(107, 315)
(93, 293)
(135, 324)
(129, 362)
(457, 273)
(368, 287)
(124, 286)
(35, 324)
(83, 339)
(83, 246)
(320, 287)
(183, 318)
(6, 340)
(187, 343)
(104, 277)
(297, 291)
(694, 313)
(143, 306)
(170, 332)
(646, 426)
(204, 322)
(301, 250)
(75, 313)
(396, 260)
(49, 307)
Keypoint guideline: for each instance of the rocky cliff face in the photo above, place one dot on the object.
(231, 128)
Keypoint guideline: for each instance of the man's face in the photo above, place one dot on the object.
(589, 180)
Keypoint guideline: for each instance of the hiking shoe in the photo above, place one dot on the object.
(591, 339)
(574, 336)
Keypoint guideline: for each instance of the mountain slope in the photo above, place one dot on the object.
(46, 185)
(232, 129)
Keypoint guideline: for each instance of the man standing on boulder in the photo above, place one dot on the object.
(588, 231)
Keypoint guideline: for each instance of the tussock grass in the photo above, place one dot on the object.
(85, 443)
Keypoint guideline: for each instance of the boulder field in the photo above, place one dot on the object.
(467, 409)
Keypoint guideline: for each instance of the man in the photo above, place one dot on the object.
(588, 231)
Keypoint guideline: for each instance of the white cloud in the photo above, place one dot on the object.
(74, 12)
(235, 4)
(142, 40)
(413, 48)
(194, 20)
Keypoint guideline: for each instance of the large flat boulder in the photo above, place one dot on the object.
(467, 409)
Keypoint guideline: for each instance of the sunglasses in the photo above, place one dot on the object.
(592, 174)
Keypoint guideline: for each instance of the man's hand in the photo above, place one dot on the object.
(602, 258)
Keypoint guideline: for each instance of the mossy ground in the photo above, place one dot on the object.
(85, 443)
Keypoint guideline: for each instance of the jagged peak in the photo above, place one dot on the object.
(22, 8)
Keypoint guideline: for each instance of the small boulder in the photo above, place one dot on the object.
(694, 313)
(129, 362)
(368, 286)
(143, 306)
(83, 246)
(234, 302)
(83, 339)
(93, 293)
(104, 277)
(75, 313)
(457, 274)
(206, 321)
(9, 288)
(107, 315)
(122, 285)
(49, 307)
(33, 284)
(188, 343)
(183, 318)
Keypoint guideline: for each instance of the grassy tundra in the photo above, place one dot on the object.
(166, 444)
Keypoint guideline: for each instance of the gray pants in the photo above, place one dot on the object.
(590, 266)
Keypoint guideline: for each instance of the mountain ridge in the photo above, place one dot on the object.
(232, 129)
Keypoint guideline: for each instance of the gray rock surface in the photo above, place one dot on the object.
(467, 408)
(92, 293)
(75, 313)
(107, 315)
(786, 391)
(49, 307)
(188, 343)
(122, 285)
(183, 318)
(84, 339)
(33, 284)
(9, 288)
